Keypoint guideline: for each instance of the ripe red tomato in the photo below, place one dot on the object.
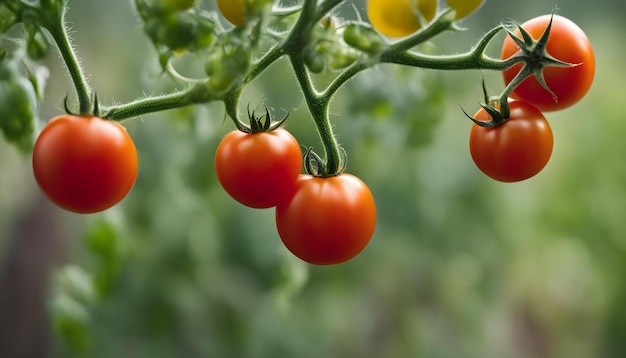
(258, 169)
(84, 164)
(515, 150)
(328, 220)
(567, 43)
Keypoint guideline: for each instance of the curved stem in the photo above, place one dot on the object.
(472, 60)
(59, 33)
(264, 62)
(441, 24)
(318, 106)
(343, 78)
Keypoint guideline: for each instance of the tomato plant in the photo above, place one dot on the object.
(464, 8)
(327, 220)
(567, 43)
(18, 104)
(258, 169)
(84, 164)
(399, 18)
(515, 150)
(233, 10)
(179, 5)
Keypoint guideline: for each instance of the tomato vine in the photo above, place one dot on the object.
(239, 41)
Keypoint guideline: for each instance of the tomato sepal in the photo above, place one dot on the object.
(535, 56)
(315, 166)
(262, 123)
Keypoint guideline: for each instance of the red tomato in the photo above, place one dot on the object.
(258, 169)
(328, 220)
(84, 164)
(515, 150)
(567, 43)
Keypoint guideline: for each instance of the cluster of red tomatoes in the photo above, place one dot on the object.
(322, 220)
(521, 147)
(86, 164)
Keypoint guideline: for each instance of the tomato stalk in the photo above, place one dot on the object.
(51, 16)
(318, 106)
(188, 96)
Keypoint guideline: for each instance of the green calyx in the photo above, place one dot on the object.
(316, 166)
(535, 57)
(262, 123)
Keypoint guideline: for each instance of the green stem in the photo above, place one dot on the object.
(472, 60)
(318, 106)
(264, 62)
(467, 61)
(344, 77)
(441, 24)
(190, 95)
(59, 33)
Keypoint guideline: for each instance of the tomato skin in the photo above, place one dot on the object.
(84, 164)
(515, 150)
(258, 169)
(567, 43)
(327, 220)
(233, 11)
(464, 7)
(397, 18)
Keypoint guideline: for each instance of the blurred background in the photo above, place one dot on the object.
(460, 265)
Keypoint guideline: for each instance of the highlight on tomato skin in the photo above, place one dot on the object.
(327, 220)
(516, 150)
(84, 164)
(567, 43)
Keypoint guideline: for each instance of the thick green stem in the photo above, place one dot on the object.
(472, 60)
(191, 95)
(59, 34)
(318, 106)
(467, 61)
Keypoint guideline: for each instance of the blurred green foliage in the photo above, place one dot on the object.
(460, 265)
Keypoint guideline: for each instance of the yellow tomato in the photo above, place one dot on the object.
(464, 7)
(233, 10)
(399, 18)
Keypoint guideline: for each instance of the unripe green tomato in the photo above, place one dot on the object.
(205, 36)
(343, 57)
(18, 105)
(314, 63)
(363, 37)
(225, 66)
(464, 8)
(213, 61)
(174, 30)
